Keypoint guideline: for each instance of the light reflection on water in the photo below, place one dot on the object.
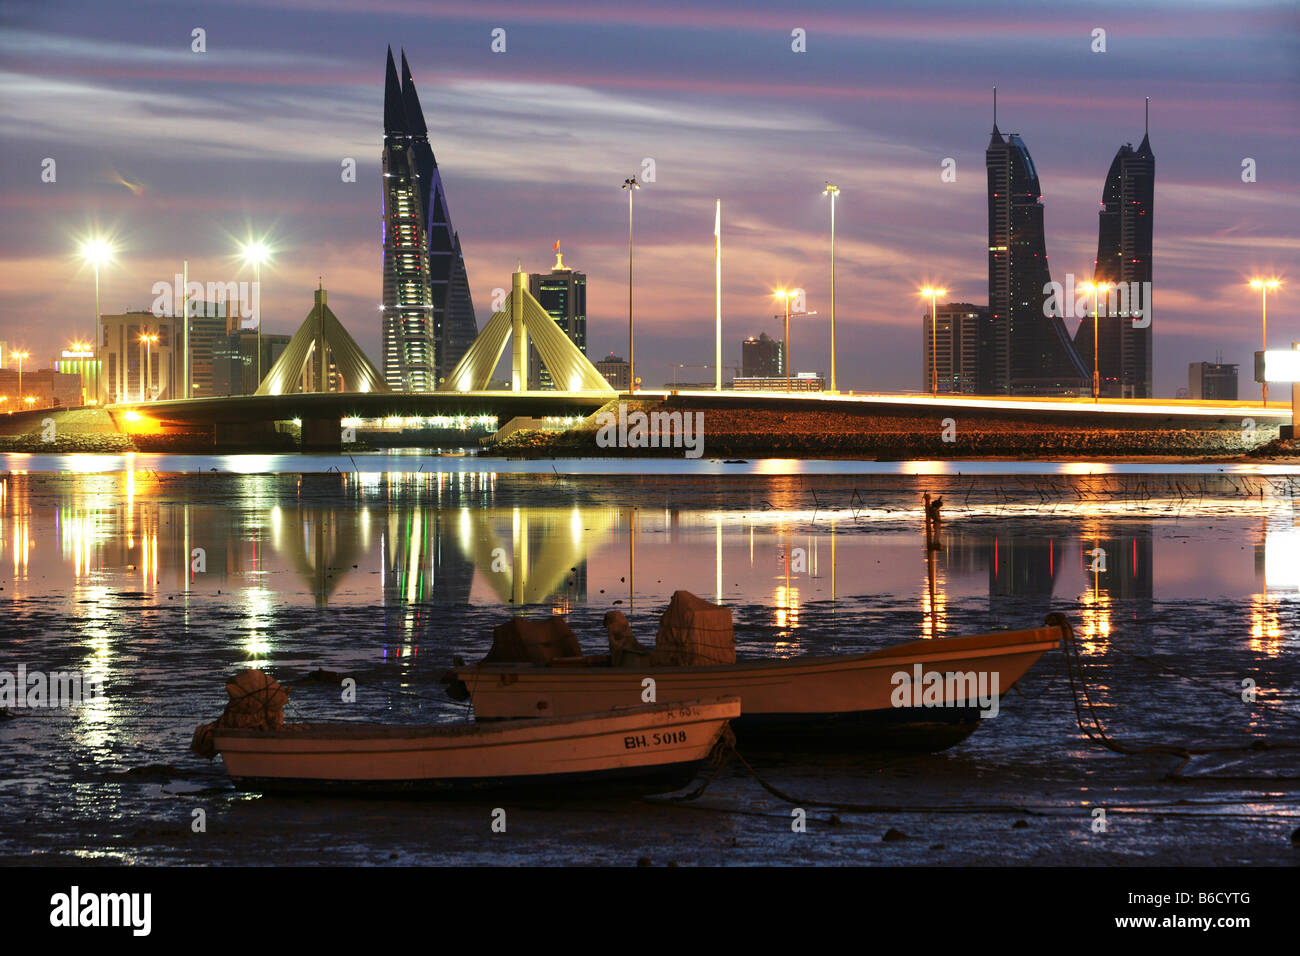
(401, 541)
(416, 461)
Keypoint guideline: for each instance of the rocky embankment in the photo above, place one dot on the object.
(732, 430)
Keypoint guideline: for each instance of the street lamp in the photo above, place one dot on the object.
(20, 356)
(785, 297)
(1263, 285)
(256, 253)
(96, 251)
(631, 185)
(834, 192)
(147, 339)
(1096, 288)
(934, 337)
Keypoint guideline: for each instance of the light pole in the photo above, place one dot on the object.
(631, 185)
(1096, 288)
(97, 251)
(785, 297)
(834, 192)
(20, 356)
(148, 340)
(1263, 285)
(785, 344)
(934, 337)
(256, 253)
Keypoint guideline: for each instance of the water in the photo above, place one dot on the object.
(423, 460)
(166, 577)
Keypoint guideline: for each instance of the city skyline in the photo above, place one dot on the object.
(700, 116)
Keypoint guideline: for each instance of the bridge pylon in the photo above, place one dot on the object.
(522, 316)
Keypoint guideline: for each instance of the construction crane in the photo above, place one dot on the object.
(685, 365)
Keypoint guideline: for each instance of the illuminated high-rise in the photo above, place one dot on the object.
(1124, 256)
(1023, 350)
(428, 313)
(563, 294)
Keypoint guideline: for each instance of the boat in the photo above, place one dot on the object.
(646, 748)
(921, 695)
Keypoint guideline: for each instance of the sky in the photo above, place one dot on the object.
(178, 154)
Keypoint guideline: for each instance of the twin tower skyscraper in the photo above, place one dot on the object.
(1025, 349)
(428, 314)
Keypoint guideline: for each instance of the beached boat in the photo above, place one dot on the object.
(921, 695)
(649, 748)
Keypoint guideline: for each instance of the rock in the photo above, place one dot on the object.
(643, 861)
(892, 835)
(1020, 825)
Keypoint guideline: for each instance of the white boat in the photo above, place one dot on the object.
(651, 748)
(924, 694)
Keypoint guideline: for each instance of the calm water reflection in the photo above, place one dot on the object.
(405, 543)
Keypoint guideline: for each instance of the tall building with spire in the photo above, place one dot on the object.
(428, 314)
(563, 294)
(1023, 351)
(1124, 256)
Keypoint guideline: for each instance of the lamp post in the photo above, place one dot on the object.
(934, 337)
(97, 251)
(785, 344)
(256, 253)
(148, 339)
(1096, 288)
(631, 185)
(785, 297)
(20, 356)
(834, 192)
(1263, 285)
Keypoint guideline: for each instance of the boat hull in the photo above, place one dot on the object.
(831, 703)
(645, 749)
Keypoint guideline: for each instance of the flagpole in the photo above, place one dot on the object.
(717, 269)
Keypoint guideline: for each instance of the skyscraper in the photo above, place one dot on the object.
(428, 313)
(955, 340)
(1124, 256)
(762, 357)
(1023, 351)
(563, 294)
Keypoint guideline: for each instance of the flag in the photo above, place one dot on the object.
(556, 247)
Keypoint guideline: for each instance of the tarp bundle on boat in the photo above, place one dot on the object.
(694, 633)
(256, 703)
(535, 642)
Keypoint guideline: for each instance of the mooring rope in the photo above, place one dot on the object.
(1095, 730)
(724, 751)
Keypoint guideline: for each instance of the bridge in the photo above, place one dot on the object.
(250, 419)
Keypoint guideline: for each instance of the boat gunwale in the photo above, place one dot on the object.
(536, 727)
(910, 651)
